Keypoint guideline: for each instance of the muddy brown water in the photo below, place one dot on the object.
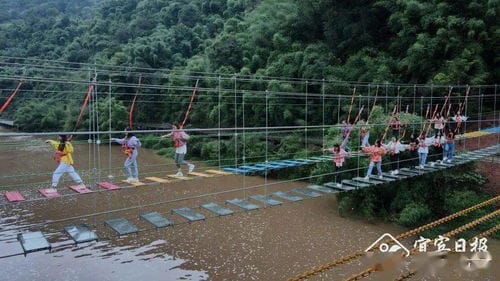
(270, 244)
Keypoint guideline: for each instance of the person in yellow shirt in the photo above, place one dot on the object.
(63, 150)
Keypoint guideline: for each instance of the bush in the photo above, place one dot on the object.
(166, 151)
(414, 214)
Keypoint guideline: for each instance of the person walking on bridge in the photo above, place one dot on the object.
(63, 151)
(376, 152)
(339, 155)
(180, 139)
(130, 145)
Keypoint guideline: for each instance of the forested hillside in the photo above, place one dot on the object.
(382, 40)
(439, 42)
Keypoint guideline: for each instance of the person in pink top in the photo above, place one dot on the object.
(180, 139)
(376, 152)
(338, 159)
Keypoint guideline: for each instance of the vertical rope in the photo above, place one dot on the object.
(305, 129)
(267, 136)
(110, 175)
(479, 117)
(244, 139)
(235, 126)
(414, 109)
(219, 111)
(496, 118)
(98, 141)
(323, 103)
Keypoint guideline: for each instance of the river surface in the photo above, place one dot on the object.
(270, 244)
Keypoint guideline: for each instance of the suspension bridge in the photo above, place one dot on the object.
(256, 111)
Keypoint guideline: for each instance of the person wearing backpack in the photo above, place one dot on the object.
(63, 151)
(180, 139)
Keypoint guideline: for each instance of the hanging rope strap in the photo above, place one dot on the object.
(373, 106)
(355, 121)
(462, 107)
(405, 125)
(430, 123)
(350, 107)
(131, 112)
(85, 102)
(190, 104)
(389, 123)
(9, 99)
(446, 101)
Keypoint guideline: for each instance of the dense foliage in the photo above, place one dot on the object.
(422, 200)
(373, 41)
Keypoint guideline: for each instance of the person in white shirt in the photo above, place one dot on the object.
(394, 147)
(423, 149)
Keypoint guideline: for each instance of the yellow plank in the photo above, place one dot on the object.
(201, 175)
(476, 134)
(134, 183)
(218, 172)
(179, 178)
(157, 179)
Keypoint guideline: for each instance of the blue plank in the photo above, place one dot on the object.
(307, 192)
(270, 166)
(237, 170)
(252, 168)
(283, 163)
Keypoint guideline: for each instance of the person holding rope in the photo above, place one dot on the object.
(439, 124)
(423, 149)
(63, 151)
(130, 145)
(449, 147)
(376, 152)
(395, 125)
(394, 147)
(180, 139)
(338, 158)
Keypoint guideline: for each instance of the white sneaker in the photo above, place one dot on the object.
(51, 190)
(396, 172)
(80, 185)
(134, 180)
(367, 177)
(380, 177)
(449, 160)
(393, 173)
(179, 174)
(444, 158)
(190, 168)
(339, 185)
(130, 179)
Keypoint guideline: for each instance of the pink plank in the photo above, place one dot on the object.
(14, 196)
(80, 188)
(108, 185)
(49, 194)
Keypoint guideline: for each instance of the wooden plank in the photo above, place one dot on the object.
(157, 179)
(137, 183)
(184, 178)
(198, 174)
(219, 172)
